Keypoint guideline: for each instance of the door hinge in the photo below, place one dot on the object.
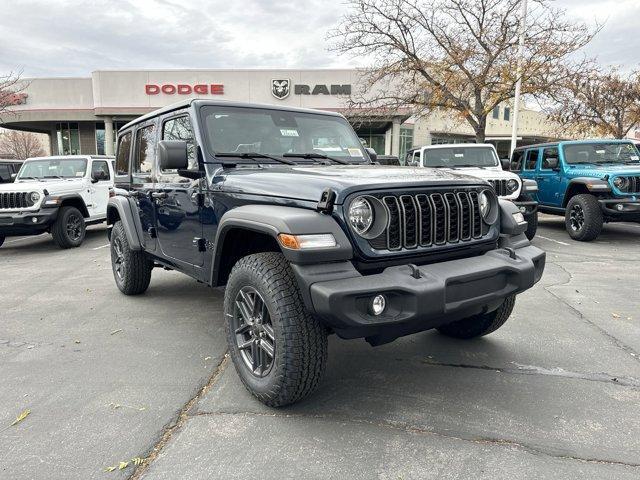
(327, 199)
(153, 232)
(201, 243)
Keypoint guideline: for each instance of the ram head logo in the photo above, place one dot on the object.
(280, 88)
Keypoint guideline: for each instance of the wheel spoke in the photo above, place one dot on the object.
(246, 345)
(244, 311)
(255, 355)
(267, 348)
(268, 329)
(248, 301)
(244, 328)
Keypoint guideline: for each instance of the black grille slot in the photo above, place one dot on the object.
(409, 213)
(500, 186)
(394, 233)
(426, 219)
(14, 200)
(440, 218)
(454, 217)
(466, 222)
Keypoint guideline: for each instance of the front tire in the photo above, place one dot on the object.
(69, 229)
(278, 349)
(131, 268)
(482, 324)
(583, 218)
(532, 225)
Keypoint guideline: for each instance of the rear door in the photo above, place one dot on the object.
(529, 165)
(178, 213)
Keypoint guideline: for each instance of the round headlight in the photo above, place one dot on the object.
(512, 185)
(361, 215)
(485, 204)
(34, 197)
(621, 183)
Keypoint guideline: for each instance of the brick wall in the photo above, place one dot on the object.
(87, 138)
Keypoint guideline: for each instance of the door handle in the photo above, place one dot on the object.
(158, 194)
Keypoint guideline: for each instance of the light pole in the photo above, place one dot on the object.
(516, 101)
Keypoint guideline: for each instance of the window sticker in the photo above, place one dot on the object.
(354, 152)
(289, 132)
(634, 157)
(458, 155)
(79, 174)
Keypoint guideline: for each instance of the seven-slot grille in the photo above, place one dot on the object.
(500, 186)
(633, 185)
(428, 219)
(14, 200)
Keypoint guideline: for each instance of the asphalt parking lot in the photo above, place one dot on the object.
(555, 393)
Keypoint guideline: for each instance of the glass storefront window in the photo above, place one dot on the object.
(100, 138)
(406, 140)
(68, 138)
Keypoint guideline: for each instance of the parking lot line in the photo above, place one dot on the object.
(19, 239)
(552, 240)
(102, 246)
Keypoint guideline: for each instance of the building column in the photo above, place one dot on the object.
(395, 137)
(108, 136)
(387, 142)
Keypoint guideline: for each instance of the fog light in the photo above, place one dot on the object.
(378, 304)
(34, 219)
(523, 209)
(620, 207)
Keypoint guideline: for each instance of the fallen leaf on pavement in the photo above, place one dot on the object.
(137, 461)
(615, 315)
(123, 465)
(110, 469)
(116, 331)
(21, 417)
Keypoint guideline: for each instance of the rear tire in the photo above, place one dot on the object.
(482, 324)
(583, 218)
(69, 229)
(131, 268)
(278, 349)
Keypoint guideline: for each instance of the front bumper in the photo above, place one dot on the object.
(444, 293)
(27, 223)
(621, 208)
(527, 207)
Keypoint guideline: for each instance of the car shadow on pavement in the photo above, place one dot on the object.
(622, 232)
(44, 243)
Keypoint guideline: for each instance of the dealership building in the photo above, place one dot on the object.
(82, 115)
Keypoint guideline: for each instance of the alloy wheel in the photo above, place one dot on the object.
(576, 218)
(119, 258)
(255, 337)
(74, 227)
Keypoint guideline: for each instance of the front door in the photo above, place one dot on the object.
(549, 188)
(178, 214)
(99, 189)
(142, 182)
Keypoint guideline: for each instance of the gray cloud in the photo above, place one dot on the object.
(72, 38)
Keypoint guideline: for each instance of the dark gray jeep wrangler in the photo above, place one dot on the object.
(286, 209)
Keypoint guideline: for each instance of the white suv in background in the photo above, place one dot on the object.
(60, 195)
(480, 160)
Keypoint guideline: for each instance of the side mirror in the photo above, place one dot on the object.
(14, 176)
(551, 163)
(173, 155)
(372, 154)
(506, 164)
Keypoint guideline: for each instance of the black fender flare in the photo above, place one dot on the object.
(75, 198)
(273, 220)
(593, 185)
(120, 207)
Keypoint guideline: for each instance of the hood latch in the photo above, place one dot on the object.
(327, 200)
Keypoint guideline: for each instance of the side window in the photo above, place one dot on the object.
(547, 154)
(122, 158)
(5, 173)
(100, 170)
(179, 128)
(532, 159)
(516, 160)
(145, 152)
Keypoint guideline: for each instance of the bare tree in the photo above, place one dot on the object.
(20, 145)
(457, 55)
(601, 102)
(11, 88)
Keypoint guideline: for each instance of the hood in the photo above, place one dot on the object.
(600, 171)
(306, 182)
(485, 173)
(54, 187)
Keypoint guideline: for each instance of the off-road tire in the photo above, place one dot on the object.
(300, 347)
(1, 240)
(532, 225)
(481, 324)
(60, 228)
(136, 267)
(593, 220)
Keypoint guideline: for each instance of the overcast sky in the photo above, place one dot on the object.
(73, 38)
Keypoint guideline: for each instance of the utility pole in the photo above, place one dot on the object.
(516, 101)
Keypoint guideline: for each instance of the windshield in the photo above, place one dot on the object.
(53, 168)
(237, 130)
(460, 157)
(600, 153)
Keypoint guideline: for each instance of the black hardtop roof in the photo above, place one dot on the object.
(198, 102)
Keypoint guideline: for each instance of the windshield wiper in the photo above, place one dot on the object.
(254, 155)
(312, 155)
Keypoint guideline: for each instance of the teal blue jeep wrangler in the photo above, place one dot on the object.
(588, 181)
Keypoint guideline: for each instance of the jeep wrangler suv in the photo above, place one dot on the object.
(284, 207)
(60, 195)
(481, 160)
(589, 182)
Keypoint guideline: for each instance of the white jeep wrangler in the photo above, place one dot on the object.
(481, 160)
(60, 195)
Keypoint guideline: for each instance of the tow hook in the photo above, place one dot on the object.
(415, 272)
(512, 253)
